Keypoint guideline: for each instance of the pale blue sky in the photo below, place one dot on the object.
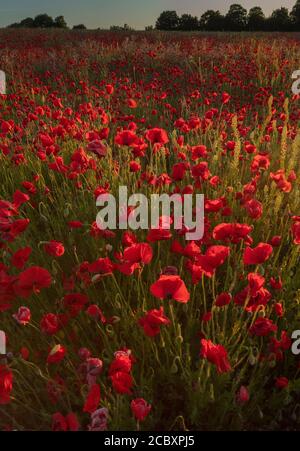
(136, 13)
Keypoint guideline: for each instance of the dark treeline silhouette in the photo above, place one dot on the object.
(236, 19)
(45, 21)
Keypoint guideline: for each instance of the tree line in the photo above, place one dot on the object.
(45, 21)
(236, 19)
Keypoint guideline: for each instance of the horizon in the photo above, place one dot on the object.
(136, 13)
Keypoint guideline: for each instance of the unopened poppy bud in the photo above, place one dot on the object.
(252, 360)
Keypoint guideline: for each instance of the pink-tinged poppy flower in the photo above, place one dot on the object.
(254, 208)
(23, 316)
(243, 395)
(6, 384)
(140, 409)
(98, 148)
(93, 399)
(262, 327)
(99, 420)
(152, 322)
(32, 280)
(57, 354)
(55, 248)
(215, 354)
(257, 255)
(170, 286)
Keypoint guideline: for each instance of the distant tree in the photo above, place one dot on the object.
(256, 19)
(168, 20)
(149, 28)
(187, 22)
(236, 18)
(212, 21)
(118, 28)
(60, 22)
(295, 16)
(79, 27)
(26, 23)
(280, 20)
(43, 21)
(14, 25)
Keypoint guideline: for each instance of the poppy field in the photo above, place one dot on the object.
(145, 330)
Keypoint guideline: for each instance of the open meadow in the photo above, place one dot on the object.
(143, 329)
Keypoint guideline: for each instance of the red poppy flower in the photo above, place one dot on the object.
(157, 136)
(55, 248)
(122, 382)
(138, 253)
(75, 302)
(170, 286)
(243, 395)
(6, 384)
(23, 316)
(32, 280)
(140, 408)
(282, 382)
(223, 299)
(296, 232)
(231, 232)
(126, 138)
(101, 266)
(50, 324)
(93, 399)
(121, 363)
(262, 327)
(152, 322)
(20, 257)
(59, 423)
(215, 354)
(258, 255)
(56, 354)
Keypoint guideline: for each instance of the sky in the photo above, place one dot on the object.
(135, 13)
